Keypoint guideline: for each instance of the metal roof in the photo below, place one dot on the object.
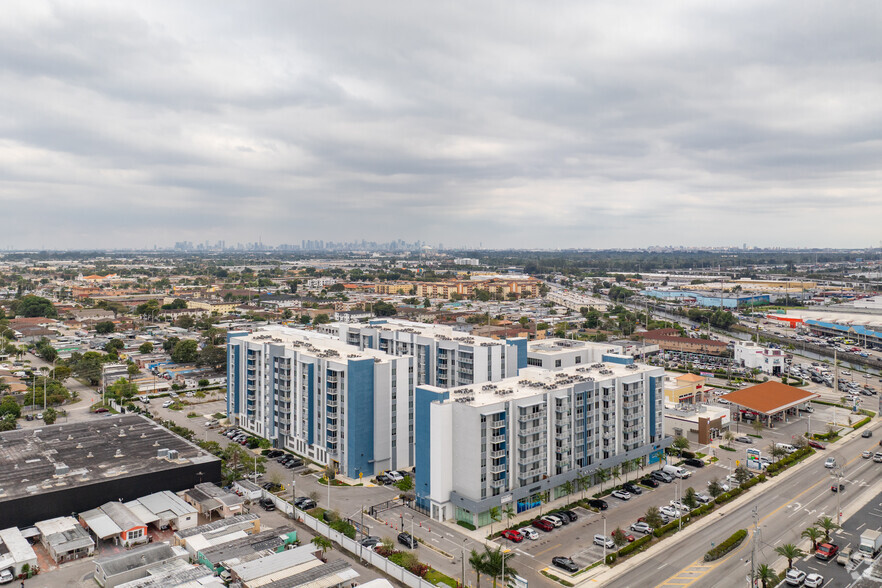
(100, 524)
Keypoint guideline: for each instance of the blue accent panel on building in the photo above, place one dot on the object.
(422, 441)
(310, 409)
(520, 343)
(233, 374)
(360, 418)
(652, 384)
(378, 322)
(616, 358)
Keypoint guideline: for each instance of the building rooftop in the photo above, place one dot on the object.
(769, 397)
(276, 563)
(312, 342)
(439, 332)
(334, 573)
(551, 347)
(178, 573)
(246, 546)
(69, 455)
(138, 558)
(533, 381)
(215, 526)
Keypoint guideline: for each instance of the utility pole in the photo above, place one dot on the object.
(753, 547)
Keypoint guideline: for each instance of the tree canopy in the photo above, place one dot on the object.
(31, 306)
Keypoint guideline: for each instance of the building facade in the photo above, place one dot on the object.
(753, 356)
(323, 399)
(443, 357)
(531, 438)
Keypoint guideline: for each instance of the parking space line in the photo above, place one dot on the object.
(546, 550)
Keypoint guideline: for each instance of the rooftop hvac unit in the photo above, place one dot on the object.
(172, 454)
(61, 469)
(162, 453)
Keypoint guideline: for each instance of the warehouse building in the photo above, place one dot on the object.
(74, 467)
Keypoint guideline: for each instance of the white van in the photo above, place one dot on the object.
(676, 471)
(786, 447)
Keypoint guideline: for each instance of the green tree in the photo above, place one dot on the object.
(680, 443)
(405, 484)
(765, 574)
(714, 488)
(619, 537)
(383, 309)
(7, 423)
(321, 319)
(653, 517)
(729, 436)
(498, 565)
(169, 344)
(121, 390)
(49, 416)
(132, 370)
(741, 474)
(212, 356)
(495, 516)
(114, 346)
(509, 513)
(146, 347)
(790, 552)
(185, 322)
(9, 406)
(185, 351)
(826, 524)
(322, 543)
(33, 306)
(777, 452)
(601, 475)
(689, 498)
(757, 426)
(478, 562)
(812, 534)
(105, 327)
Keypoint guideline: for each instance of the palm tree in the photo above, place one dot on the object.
(478, 561)
(616, 472)
(790, 551)
(509, 513)
(497, 565)
(812, 534)
(601, 475)
(826, 524)
(584, 480)
(729, 436)
(636, 463)
(757, 426)
(680, 443)
(495, 517)
(322, 543)
(765, 574)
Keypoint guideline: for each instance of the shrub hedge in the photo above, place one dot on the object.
(726, 546)
(635, 545)
(784, 462)
(727, 496)
(861, 423)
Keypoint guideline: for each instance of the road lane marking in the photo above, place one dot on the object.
(549, 549)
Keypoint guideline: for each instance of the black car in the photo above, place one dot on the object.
(267, 504)
(272, 487)
(370, 541)
(598, 503)
(384, 480)
(867, 433)
(694, 462)
(274, 453)
(632, 488)
(300, 500)
(308, 505)
(565, 563)
(568, 513)
(651, 482)
(407, 540)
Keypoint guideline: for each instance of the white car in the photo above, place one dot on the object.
(167, 403)
(830, 462)
(529, 533)
(794, 577)
(394, 476)
(641, 527)
(622, 495)
(552, 520)
(679, 506)
(669, 511)
(814, 580)
(604, 540)
(723, 485)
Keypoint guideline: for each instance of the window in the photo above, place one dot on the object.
(557, 363)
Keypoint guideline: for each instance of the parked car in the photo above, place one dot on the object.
(649, 481)
(309, 504)
(407, 540)
(543, 525)
(877, 457)
(621, 495)
(267, 504)
(661, 477)
(573, 517)
(866, 455)
(794, 577)
(294, 463)
(371, 541)
(274, 453)
(384, 479)
(632, 488)
(512, 535)
(641, 527)
(598, 503)
(669, 511)
(814, 580)
(552, 520)
(847, 555)
(529, 533)
(744, 439)
(603, 540)
(694, 462)
(394, 476)
(826, 551)
(566, 564)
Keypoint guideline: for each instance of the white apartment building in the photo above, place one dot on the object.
(444, 357)
(554, 354)
(754, 356)
(323, 399)
(513, 441)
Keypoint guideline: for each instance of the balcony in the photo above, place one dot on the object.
(497, 483)
(497, 439)
(497, 454)
(532, 445)
(498, 469)
(532, 459)
(497, 424)
(529, 417)
(331, 404)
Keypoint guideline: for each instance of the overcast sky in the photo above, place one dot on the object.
(506, 124)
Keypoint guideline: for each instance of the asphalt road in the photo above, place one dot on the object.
(785, 507)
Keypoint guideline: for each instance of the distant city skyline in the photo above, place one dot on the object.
(497, 125)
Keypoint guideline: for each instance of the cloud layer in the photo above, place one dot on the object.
(565, 124)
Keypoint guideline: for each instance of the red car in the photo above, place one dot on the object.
(512, 535)
(826, 551)
(816, 445)
(543, 525)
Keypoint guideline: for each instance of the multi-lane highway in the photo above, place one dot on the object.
(785, 506)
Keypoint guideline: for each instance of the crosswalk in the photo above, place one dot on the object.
(689, 575)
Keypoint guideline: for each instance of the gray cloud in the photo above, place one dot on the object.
(508, 124)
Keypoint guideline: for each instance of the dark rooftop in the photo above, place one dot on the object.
(68, 455)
